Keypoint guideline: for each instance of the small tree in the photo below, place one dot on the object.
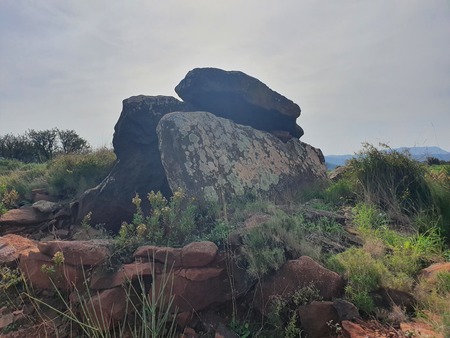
(45, 143)
(17, 147)
(72, 143)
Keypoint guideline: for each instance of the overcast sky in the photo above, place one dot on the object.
(375, 71)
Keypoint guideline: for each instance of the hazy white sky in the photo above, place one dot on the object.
(375, 70)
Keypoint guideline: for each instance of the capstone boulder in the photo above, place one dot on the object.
(241, 98)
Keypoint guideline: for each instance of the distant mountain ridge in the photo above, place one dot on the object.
(417, 153)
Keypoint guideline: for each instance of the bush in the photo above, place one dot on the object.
(368, 216)
(70, 175)
(363, 273)
(340, 192)
(392, 181)
(170, 223)
(23, 177)
(439, 183)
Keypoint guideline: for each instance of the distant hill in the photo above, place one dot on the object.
(417, 153)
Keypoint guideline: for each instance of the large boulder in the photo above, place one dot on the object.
(239, 97)
(138, 168)
(216, 159)
(232, 95)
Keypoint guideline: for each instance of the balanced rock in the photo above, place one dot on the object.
(216, 159)
(138, 168)
(239, 97)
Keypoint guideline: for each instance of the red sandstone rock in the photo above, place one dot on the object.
(430, 272)
(296, 274)
(317, 319)
(64, 277)
(12, 246)
(23, 216)
(128, 272)
(92, 252)
(198, 254)
(205, 288)
(171, 257)
(107, 308)
(353, 330)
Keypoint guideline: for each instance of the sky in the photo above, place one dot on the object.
(362, 71)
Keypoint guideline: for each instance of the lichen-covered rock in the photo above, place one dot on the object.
(216, 159)
(138, 168)
(239, 97)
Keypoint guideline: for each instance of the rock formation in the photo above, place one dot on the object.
(245, 100)
(138, 168)
(216, 159)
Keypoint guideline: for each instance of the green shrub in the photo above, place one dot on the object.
(340, 192)
(282, 315)
(71, 174)
(443, 282)
(262, 252)
(440, 189)
(171, 222)
(368, 216)
(363, 273)
(24, 178)
(392, 181)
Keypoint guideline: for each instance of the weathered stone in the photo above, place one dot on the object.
(236, 96)
(138, 169)
(41, 194)
(12, 246)
(387, 298)
(294, 275)
(215, 159)
(430, 273)
(61, 276)
(345, 310)
(223, 331)
(184, 318)
(420, 329)
(193, 291)
(46, 207)
(92, 252)
(354, 330)
(189, 332)
(198, 254)
(170, 257)
(107, 308)
(23, 216)
(127, 273)
(317, 319)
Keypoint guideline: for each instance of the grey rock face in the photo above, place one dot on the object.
(239, 97)
(216, 159)
(138, 169)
